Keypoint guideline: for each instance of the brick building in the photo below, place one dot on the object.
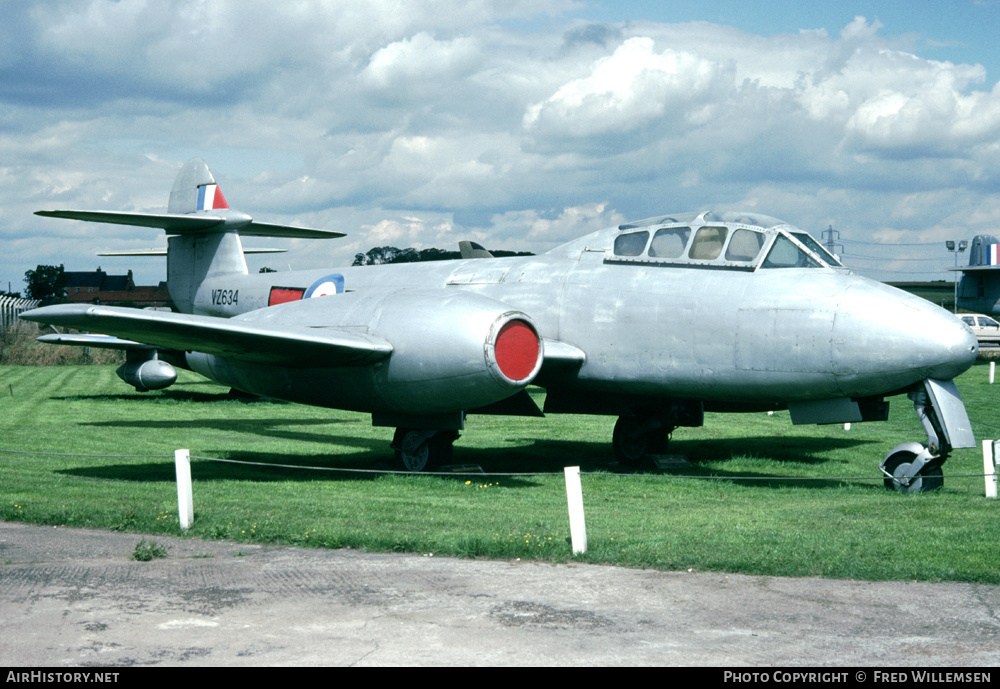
(98, 287)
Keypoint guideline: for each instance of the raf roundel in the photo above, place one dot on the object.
(331, 284)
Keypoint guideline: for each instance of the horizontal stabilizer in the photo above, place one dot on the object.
(972, 269)
(230, 338)
(196, 223)
(266, 229)
(163, 252)
(173, 224)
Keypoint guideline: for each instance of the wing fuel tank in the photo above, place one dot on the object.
(148, 375)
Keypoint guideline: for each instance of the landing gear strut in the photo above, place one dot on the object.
(646, 429)
(913, 467)
(636, 436)
(422, 450)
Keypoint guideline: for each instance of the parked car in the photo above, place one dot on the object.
(987, 330)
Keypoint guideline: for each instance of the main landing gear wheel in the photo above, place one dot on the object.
(634, 438)
(421, 450)
(898, 465)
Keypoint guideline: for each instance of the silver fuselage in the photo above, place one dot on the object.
(736, 336)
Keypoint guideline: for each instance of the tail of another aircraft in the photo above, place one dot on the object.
(979, 289)
(205, 232)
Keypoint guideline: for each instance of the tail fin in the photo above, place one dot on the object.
(195, 190)
(979, 289)
(206, 231)
(984, 251)
(473, 250)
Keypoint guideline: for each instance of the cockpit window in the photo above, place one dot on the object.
(745, 245)
(817, 248)
(707, 244)
(785, 254)
(632, 244)
(669, 242)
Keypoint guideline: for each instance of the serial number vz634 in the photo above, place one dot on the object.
(225, 297)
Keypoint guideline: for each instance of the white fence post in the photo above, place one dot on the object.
(185, 503)
(989, 467)
(993, 369)
(574, 496)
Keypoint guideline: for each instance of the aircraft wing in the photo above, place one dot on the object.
(562, 360)
(98, 341)
(559, 353)
(230, 338)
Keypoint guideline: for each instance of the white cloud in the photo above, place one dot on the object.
(932, 113)
(404, 65)
(627, 90)
(427, 123)
(541, 233)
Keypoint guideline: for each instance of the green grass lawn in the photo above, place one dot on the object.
(769, 497)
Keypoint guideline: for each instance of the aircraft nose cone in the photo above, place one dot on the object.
(955, 344)
(885, 334)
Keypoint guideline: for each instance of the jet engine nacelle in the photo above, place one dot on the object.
(148, 375)
(451, 351)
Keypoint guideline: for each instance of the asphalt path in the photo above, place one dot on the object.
(74, 597)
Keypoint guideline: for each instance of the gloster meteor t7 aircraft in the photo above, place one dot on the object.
(655, 322)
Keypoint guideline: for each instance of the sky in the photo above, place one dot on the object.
(519, 124)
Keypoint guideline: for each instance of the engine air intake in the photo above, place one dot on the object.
(517, 350)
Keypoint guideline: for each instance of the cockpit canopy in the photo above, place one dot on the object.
(740, 241)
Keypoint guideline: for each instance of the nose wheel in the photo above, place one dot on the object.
(915, 467)
(910, 471)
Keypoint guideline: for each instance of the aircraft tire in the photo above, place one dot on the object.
(931, 478)
(628, 443)
(415, 453)
(632, 445)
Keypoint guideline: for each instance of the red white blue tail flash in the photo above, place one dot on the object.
(210, 198)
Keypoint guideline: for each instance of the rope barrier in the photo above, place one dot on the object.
(478, 473)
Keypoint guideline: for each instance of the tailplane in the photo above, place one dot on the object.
(205, 231)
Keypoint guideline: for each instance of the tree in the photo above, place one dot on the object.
(390, 254)
(385, 254)
(45, 283)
